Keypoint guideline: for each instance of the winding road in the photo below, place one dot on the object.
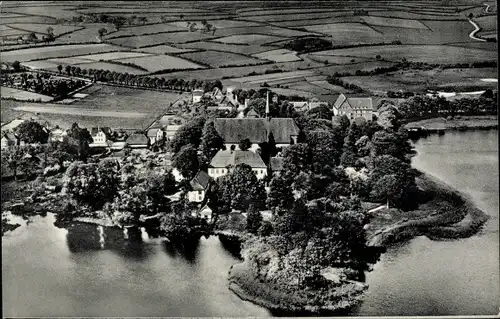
(472, 35)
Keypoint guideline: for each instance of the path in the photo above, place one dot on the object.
(487, 9)
(472, 35)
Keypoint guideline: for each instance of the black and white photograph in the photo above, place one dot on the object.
(266, 158)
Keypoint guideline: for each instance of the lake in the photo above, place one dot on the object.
(86, 271)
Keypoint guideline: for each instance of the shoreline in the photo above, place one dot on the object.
(460, 219)
(465, 123)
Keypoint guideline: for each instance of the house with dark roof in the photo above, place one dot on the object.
(353, 107)
(199, 184)
(257, 130)
(225, 161)
(137, 140)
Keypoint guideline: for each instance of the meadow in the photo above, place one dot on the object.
(279, 55)
(160, 38)
(162, 62)
(249, 39)
(218, 59)
(7, 92)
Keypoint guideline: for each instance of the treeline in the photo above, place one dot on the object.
(117, 20)
(42, 83)
(426, 106)
(302, 45)
(337, 81)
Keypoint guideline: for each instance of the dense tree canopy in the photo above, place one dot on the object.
(32, 132)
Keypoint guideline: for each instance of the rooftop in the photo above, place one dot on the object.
(233, 158)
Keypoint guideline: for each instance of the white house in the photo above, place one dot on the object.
(171, 130)
(225, 161)
(197, 94)
(200, 184)
(353, 107)
(57, 134)
(156, 134)
(100, 136)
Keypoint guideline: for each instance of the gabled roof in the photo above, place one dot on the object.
(252, 114)
(106, 130)
(354, 103)
(225, 158)
(198, 92)
(201, 181)
(276, 164)
(137, 139)
(10, 136)
(234, 130)
(340, 100)
(152, 132)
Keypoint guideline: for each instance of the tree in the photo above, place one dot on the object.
(50, 30)
(321, 112)
(102, 32)
(389, 116)
(181, 16)
(344, 122)
(16, 65)
(211, 142)
(13, 159)
(31, 132)
(186, 161)
(59, 68)
(387, 187)
(32, 37)
(254, 219)
(245, 144)
(280, 195)
(67, 68)
(81, 138)
(189, 133)
(243, 188)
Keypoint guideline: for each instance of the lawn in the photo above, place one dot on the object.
(279, 55)
(7, 92)
(162, 62)
(163, 49)
(234, 48)
(42, 28)
(146, 29)
(55, 51)
(219, 59)
(161, 38)
(249, 39)
(419, 81)
(418, 53)
(394, 22)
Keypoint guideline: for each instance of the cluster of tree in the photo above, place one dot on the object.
(426, 106)
(42, 83)
(206, 27)
(33, 38)
(117, 20)
(337, 81)
(308, 44)
(400, 94)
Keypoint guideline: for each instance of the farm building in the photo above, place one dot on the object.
(200, 184)
(224, 161)
(138, 140)
(8, 140)
(353, 107)
(257, 130)
(156, 134)
(303, 106)
(197, 94)
(57, 134)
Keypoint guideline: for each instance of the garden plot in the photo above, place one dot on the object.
(234, 48)
(7, 92)
(162, 62)
(418, 53)
(394, 22)
(219, 59)
(249, 39)
(145, 29)
(113, 56)
(43, 28)
(163, 49)
(280, 55)
(161, 38)
(49, 52)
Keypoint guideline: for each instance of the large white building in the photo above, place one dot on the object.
(353, 107)
(225, 161)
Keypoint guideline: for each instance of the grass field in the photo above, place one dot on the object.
(280, 55)
(66, 61)
(28, 19)
(113, 56)
(393, 22)
(109, 66)
(42, 28)
(234, 48)
(487, 23)
(56, 51)
(418, 53)
(266, 30)
(163, 49)
(8, 31)
(88, 34)
(413, 15)
(334, 59)
(162, 62)
(418, 81)
(145, 29)
(344, 33)
(161, 38)
(43, 64)
(249, 39)
(218, 59)
(352, 68)
(7, 92)
(219, 24)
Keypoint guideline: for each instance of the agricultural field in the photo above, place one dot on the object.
(7, 92)
(413, 15)
(163, 49)
(156, 63)
(40, 65)
(43, 28)
(160, 38)
(265, 30)
(220, 24)
(145, 29)
(279, 55)
(419, 81)
(218, 59)
(113, 56)
(88, 34)
(344, 33)
(48, 52)
(337, 59)
(28, 19)
(487, 24)
(249, 39)
(234, 48)
(393, 22)
(352, 68)
(110, 67)
(418, 53)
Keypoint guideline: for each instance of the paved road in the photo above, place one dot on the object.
(472, 35)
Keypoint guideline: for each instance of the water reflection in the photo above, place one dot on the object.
(187, 251)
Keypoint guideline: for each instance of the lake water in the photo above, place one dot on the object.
(461, 277)
(79, 271)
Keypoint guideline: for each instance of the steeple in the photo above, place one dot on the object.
(267, 105)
